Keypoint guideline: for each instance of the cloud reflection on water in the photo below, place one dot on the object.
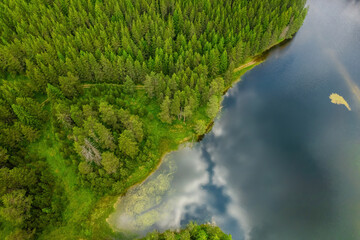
(164, 198)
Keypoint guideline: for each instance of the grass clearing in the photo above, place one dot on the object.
(80, 201)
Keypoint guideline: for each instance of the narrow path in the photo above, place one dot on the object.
(89, 85)
(252, 62)
(44, 102)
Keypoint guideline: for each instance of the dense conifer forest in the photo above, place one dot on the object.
(94, 92)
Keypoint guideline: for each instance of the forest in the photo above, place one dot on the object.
(192, 231)
(94, 92)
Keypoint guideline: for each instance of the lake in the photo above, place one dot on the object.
(282, 161)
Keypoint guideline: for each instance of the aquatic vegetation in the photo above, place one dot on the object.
(143, 205)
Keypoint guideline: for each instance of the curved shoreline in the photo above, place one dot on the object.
(238, 72)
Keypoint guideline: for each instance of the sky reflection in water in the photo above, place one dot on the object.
(282, 161)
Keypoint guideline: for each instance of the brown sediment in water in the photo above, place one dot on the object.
(337, 99)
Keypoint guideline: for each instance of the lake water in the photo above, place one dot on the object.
(282, 162)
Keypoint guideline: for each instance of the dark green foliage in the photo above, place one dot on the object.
(200, 127)
(16, 207)
(165, 111)
(24, 116)
(70, 85)
(213, 107)
(192, 231)
(127, 144)
(54, 93)
(110, 162)
(85, 168)
(117, 84)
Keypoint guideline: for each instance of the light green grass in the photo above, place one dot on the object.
(80, 201)
(5, 228)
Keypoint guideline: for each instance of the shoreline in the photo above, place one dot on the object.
(247, 66)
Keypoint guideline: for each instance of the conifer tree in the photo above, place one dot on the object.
(165, 111)
(213, 107)
(70, 85)
(223, 62)
(175, 106)
(110, 162)
(127, 144)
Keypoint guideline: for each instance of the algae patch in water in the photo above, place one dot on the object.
(144, 205)
(337, 99)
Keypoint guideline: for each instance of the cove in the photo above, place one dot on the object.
(282, 161)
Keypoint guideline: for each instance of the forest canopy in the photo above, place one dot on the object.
(192, 231)
(94, 92)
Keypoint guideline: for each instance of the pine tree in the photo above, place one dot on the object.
(165, 111)
(213, 63)
(175, 106)
(223, 62)
(70, 85)
(149, 86)
(127, 144)
(54, 93)
(108, 114)
(129, 85)
(200, 127)
(213, 107)
(110, 162)
(24, 116)
(16, 206)
(85, 168)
